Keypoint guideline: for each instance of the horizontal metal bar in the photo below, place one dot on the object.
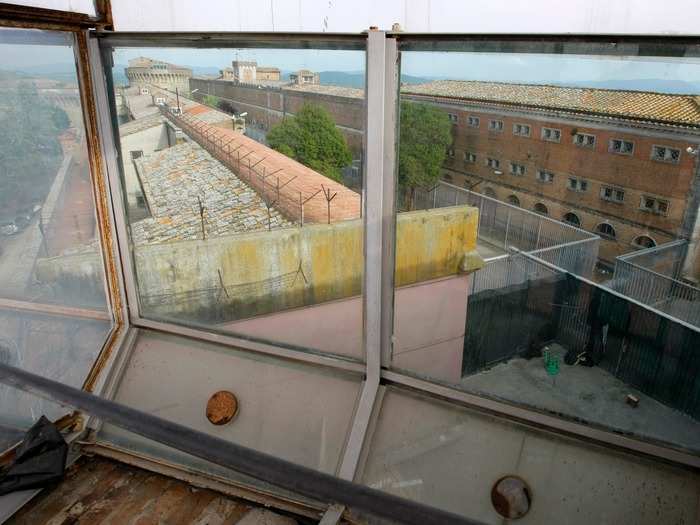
(653, 249)
(243, 343)
(284, 474)
(543, 421)
(54, 309)
(337, 41)
(613, 292)
(563, 245)
(553, 43)
(40, 16)
(520, 210)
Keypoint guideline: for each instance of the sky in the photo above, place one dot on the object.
(525, 68)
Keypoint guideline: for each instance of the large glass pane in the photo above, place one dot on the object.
(569, 171)
(53, 312)
(242, 174)
(449, 457)
(278, 409)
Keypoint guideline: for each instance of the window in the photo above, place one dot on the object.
(451, 152)
(512, 199)
(665, 154)
(576, 184)
(572, 219)
(473, 122)
(644, 241)
(584, 140)
(490, 192)
(541, 209)
(453, 117)
(545, 176)
(54, 313)
(551, 134)
(522, 130)
(245, 201)
(496, 125)
(493, 163)
(606, 230)
(469, 157)
(654, 205)
(623, 147)
(517, 169)
(609, 193)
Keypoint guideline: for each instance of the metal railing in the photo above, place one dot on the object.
(513, 229)
(651, 276)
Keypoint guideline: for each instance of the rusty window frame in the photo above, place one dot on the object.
(76, 25)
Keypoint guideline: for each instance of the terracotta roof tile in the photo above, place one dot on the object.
(655, 107)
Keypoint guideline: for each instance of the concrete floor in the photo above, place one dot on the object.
(590, 394)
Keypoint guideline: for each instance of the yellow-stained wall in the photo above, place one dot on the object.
(270, 271)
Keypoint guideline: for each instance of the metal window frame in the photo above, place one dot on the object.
(76, 25)
(381, 124)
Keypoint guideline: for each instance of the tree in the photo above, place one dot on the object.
(312, 138)
(30, 152)
(59, 118)
(425, 134)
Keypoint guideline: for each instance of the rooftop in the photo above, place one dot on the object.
(149, 62)
(173, 181)
(326, 89)
(648, 106)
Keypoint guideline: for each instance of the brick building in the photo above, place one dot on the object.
(613, 162)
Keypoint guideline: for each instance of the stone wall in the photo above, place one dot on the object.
(238, 276)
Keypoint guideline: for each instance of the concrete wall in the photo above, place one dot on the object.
(429, 327)
(267, 272)
(262, 271)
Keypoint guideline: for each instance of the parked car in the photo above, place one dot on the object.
(8, 228)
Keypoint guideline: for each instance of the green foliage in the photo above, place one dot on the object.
(312, 138)
(211, 100)
(424, 138)
(60, 118)
(30, 153)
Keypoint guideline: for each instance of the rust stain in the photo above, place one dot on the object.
(99, 185)
(222, 407)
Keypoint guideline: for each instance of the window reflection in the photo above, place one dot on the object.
(597, 198)
(53, 311)
(242, 170)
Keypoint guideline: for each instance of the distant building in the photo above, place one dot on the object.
(304, 76)
(268, 73)
(144, 72)
(249, 72)
(612, 162)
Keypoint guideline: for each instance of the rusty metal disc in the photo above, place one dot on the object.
(511, 497)
(222, 407)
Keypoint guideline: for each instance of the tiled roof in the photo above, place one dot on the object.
(296, 180)
(327, 89)
(175, 178)
(648, 106)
